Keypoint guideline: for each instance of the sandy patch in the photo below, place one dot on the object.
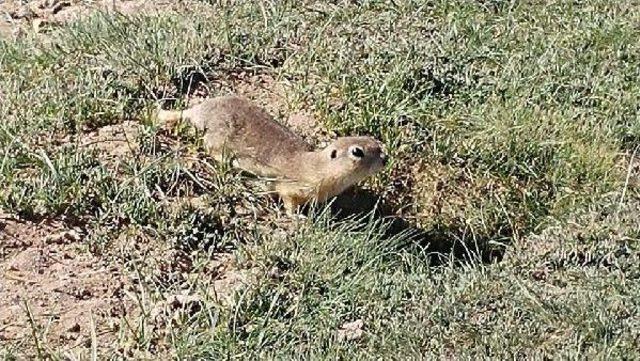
(54, 290)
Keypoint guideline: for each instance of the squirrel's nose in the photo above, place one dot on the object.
(384, 158)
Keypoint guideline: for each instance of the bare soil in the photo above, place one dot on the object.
(19, 17)
(53, 289)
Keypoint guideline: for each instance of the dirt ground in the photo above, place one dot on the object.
(17, 17)
(53, 289)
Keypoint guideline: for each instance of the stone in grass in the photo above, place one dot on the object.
(351, 331)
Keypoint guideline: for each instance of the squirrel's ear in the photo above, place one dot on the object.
(334, 153)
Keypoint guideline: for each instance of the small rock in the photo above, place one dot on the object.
(275, 272)
(351, 331)
(337, 104)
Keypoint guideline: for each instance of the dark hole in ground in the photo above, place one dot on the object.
(189, 79)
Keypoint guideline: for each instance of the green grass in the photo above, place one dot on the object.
(510, 124)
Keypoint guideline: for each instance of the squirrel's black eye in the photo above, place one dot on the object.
(357, 152)
(334, 153)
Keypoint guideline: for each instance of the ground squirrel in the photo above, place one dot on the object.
(235, 127)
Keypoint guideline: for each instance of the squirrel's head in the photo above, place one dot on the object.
(360, 156)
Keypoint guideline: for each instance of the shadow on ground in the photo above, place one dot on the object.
(440, 243)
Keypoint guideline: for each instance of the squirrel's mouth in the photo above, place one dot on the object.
(377, 166)
(383, 159)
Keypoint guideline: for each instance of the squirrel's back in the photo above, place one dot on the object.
(234, 124)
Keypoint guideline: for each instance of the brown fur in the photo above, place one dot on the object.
(258, 144)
